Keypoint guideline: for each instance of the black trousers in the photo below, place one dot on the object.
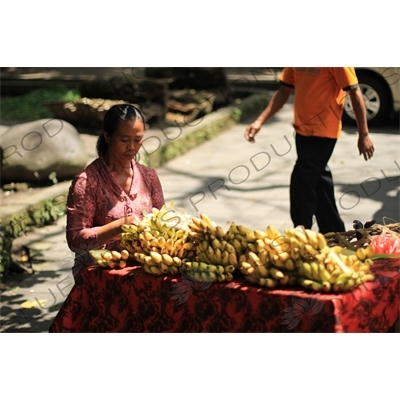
(311, 186)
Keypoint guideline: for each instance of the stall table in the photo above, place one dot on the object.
(130, 300)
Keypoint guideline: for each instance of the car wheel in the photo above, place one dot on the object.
(376, 99)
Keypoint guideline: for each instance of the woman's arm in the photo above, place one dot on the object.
(82, 208)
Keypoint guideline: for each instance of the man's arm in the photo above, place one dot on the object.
(278, 100)
(365, 145)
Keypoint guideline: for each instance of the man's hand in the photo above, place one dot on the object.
(365, 146)
(279, 98)
(252, 130)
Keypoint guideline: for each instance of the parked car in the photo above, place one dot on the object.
(380, 87)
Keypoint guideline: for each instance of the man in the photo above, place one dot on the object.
(319, 96)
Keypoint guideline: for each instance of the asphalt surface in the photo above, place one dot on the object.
(228, 179)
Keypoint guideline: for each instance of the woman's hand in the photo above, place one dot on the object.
(130, 220)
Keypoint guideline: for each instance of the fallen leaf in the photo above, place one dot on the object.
(33, 304)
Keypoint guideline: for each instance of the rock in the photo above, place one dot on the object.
(31, 151)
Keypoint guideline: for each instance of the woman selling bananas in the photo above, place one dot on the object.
(113, 190)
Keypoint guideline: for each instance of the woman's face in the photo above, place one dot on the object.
(126, 141)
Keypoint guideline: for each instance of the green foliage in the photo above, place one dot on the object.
(31, 106)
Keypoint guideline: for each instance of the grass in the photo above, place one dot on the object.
(31, 106)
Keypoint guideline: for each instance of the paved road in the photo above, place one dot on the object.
(229, 179)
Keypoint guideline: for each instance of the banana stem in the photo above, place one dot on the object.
(339, 262)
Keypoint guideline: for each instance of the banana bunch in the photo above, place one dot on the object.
(110, 258)
(335, 271)
(158, 264)
(243, 238)
(202, 228)
(216, 251)
(164, 251)
(257, 268)
(204, 272)
(159, 241)
(324, 268)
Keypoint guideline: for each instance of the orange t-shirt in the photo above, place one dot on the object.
(319, 96)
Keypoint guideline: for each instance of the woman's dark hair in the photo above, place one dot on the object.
(113, 118)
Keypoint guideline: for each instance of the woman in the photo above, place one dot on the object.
(113, 190)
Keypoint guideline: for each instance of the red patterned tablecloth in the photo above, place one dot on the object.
(130, 300)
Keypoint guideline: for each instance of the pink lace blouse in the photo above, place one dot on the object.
(95, 198)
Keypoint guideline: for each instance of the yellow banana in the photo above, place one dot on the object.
(295, 254)
(230, 248)
(270, 283)
(326, 286)
(155, 270)
(124, 254)
(307, 283)
(264, 272)
(369, 251)
(322, 243)
(157, 257)
(315, 271)
(228, 277)
(301, 236)
(220, 233)
(361, 254)
(216, 244)
(167, 259)
(203, 266)
(206, 219)
(225, 257)
(229, 268)
(220, 270)
(275, 260)
(210, 252)
(272, 233)
(312, 238)
(218, 256)
(247, 233)
(232, 228)
(311, 250)
(276, 273)
(181, 252)
(204, 257)
(237, 245)
(306, 270)
(221, 278)
(253, 258)
(294, 243)
(368, 277)
(324, 275)
(212, 268)
(263, 256)
(232, 259)
(212, 276)
(202, 246)
(316, 286)
(348, 285)
(164, 268)
(289, 265)
(148, 236)
(107, 256)
(146, 268)
(260, 244)
(194, 266)
(188, 245)
(259, 234)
